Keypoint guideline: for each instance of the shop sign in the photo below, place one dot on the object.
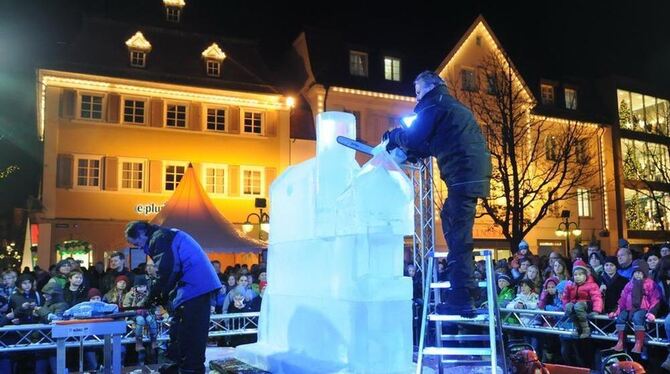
(148, 209)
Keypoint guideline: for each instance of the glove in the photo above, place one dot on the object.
(392, 137)
(650, 317)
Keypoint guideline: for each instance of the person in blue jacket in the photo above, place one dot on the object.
(186, 284)
(447, 130)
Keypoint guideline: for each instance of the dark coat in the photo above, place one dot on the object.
(25, 315)
(446, 129)
(614, 288)
(73, 298)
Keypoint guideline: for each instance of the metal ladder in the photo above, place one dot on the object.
(461, 355)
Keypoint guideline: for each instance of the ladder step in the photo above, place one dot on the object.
(483, 252)
(457, 337)
(465, 362)
(443, 351)
(456, 318)
(448, 284)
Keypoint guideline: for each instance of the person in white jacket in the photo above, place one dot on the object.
(525, 299)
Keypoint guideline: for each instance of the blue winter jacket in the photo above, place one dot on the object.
(184, 271)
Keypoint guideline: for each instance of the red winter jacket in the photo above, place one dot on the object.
(589, 291)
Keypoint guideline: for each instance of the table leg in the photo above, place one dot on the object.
(60, 355)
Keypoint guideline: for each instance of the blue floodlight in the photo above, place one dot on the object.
(409, 120)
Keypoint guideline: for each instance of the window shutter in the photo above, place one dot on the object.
(234, 180)
(112, 173)
(195, 122)
(64, 166)
(271, 123)
(67, 100)
(155, 176)
(113, 108)
(234, 120)
(270, 175)
(156, 113)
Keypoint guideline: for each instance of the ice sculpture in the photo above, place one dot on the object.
(337, 300)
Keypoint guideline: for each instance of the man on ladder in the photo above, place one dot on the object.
(446, 129)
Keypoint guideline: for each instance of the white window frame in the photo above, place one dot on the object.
(186, 114)
(365, 63)
(226, 113)
(103, 109)
(226, 178)
(391, 64)
(172, 14)
(261, 170)
(144, 173)
(75, 173)
(172, 163)
(472, 88)
(123, 110)
(546, 88)
(575, 103)
(213, 67)
(140, 56)
(244, 111)
(584, 205)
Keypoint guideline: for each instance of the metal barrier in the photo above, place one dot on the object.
(554, 323)
(17, 338)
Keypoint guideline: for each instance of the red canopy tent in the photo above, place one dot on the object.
(190, 209)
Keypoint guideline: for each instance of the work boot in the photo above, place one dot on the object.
(459, 302)
(639, 341)
(666, 364)
(619, 347)
(139, 344)
(585, 330)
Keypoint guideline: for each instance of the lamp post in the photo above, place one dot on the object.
(565, 228)
(262, 217)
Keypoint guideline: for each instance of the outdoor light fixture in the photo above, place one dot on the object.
(262, 217)
(566, 228)
(290, 102)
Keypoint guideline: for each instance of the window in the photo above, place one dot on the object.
(392, 69)
(253, 180)
(468, 81)
(571, 98)
(213, 68)
(491, 84)
(584, 202)
(132, 175)
(551, 148)
(172, 14)
(176, 115)
(138, 59)
(643, 113)
(215, 179)
(216, 119)
(581, 151)
(645, 161)
(253, 122)
(88, 172)
(646, 210)
(358, 63)
(91, 107)
(547, 92)
(173, 175)
(133, 111)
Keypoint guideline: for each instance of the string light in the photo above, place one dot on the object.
(373, 94)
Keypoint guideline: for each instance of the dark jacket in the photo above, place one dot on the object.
(73, 298)
(184, 271)
(25, 315)
(446, 129)
(614, 286)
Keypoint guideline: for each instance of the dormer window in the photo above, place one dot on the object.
(547, 91)
(173, 10)
(392, 69)
(571, 98)
(138, 47)
(213, 56)
(358, 63)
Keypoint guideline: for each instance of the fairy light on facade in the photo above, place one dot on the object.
(175, 3)
(319, 99)
(213, 52)
(138, 42)
(604, 181)
(373, 94)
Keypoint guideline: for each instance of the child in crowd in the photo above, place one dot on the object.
(549, 299)
(94, 295)
(507, 292)
(520, 272)
(596, 261)
(75, 292)
(581, 297)
(138, 298)
(525, 299)
(533, 275)
(24, 301)
(116, 294)
(638, 297)
(560, 270)
(612, 284)
(8, 283)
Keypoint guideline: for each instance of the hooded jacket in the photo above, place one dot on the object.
(446, 129)
(589, 291)
(650, 296)
(547, 301)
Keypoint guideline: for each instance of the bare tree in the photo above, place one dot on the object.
(537, 164)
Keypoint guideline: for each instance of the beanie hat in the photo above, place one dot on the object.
(52, 288)
(553, 279)
(505, 277)
(623, 243)
(579, 264)
(94, 292)
(25, 277)
(121, 278)
(641, 265)
(611, 260)
(140, 281)
(523, 244)
(62, 263)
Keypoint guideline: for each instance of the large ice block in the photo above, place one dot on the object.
(337, 300)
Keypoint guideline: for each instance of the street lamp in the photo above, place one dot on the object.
(564, 229)
(262, 217)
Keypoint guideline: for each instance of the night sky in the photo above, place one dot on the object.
(566, 38)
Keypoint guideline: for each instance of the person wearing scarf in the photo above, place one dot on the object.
(638, 299)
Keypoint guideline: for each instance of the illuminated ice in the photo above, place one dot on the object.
(337, 300)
